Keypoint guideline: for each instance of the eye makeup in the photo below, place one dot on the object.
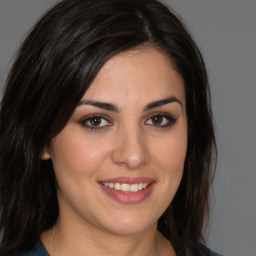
(161, 120)
(96, 122)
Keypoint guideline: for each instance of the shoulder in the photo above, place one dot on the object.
(38, 250)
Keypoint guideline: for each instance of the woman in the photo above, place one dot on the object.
(106, 135)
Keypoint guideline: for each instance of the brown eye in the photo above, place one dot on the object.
(157, 120)
(95, 121)
(161, 120)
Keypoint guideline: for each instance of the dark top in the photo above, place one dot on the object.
(39, 250)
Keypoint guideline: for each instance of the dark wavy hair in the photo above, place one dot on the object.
(54, 67)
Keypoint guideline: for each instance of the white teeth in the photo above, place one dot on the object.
(111, 185)
(117, 186)
(126, 187)
(134, 187)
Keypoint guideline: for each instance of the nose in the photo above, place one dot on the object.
(131, 150)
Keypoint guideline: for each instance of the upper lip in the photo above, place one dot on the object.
(128, 180)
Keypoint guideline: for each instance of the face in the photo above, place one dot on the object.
(119, 160)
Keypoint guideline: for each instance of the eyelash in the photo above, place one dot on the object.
(169, 119)
(95, 116)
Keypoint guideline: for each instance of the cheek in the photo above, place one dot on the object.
(75, 155)
(76, 160)
(171, 152)
(169, 156)
(171, 163)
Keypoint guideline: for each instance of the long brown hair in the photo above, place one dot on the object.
(54, 67)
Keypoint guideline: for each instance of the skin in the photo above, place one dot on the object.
(127, 143)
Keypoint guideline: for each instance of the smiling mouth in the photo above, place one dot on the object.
(127, 190)
(126, 187)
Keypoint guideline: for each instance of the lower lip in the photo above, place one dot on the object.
(128, 197)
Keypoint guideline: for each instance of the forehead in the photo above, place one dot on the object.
(137, 74)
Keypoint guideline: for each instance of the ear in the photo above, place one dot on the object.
(45, 155)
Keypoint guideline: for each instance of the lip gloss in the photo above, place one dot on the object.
(128, 197)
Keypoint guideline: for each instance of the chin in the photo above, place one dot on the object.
(131, 225)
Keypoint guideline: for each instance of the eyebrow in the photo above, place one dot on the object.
(162, 102)
(113, 108)
(98, 104)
